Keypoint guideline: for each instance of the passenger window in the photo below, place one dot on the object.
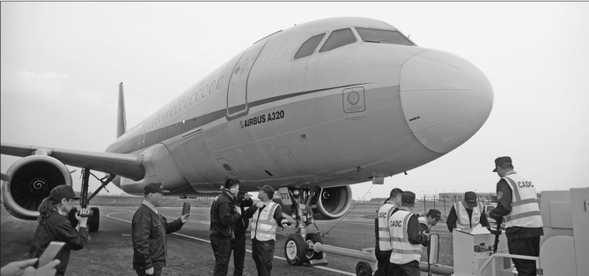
(338, 38)
(309, 46)
(383, 36)
(212, 86)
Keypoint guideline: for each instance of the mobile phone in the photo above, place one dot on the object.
(186, 208)
(50, 253)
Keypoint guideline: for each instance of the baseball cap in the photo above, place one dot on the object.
(268, 190)
(435, 213)
(471, 199)
(408, 197)
(500, 161)
(62, 191)
(156, 187)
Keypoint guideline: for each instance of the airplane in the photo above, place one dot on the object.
(308, 110)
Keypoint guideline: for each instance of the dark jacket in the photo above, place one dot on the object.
(148, 232)
(58, 228)
(504, 208)
(242, 223)
(414, 232)
(223, 216)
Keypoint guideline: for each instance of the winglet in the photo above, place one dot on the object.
(121, 117)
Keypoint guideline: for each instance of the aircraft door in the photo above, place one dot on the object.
(237, 91)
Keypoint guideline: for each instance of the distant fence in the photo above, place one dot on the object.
(108, 200)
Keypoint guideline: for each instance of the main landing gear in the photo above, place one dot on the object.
(94, 218)
(299, 246)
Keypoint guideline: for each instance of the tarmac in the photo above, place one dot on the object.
(109, 252)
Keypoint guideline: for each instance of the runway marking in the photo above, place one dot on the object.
(247, 250)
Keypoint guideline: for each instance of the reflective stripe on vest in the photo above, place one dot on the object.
(403, 251)
(463, 221)
(384, 237)
(525, 211)
(263, 223)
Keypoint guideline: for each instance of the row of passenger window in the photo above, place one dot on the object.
(342, 37)
(208, 89)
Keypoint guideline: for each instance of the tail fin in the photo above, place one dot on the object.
(121, 117)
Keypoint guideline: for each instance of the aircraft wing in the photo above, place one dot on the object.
(125, 165)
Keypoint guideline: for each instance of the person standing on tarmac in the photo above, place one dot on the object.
(225, 215)
(467, 213)
(407, 239)
(55, 226)
(517, 206)
(148, 232)
(384, 247)
(266, 216)
(238, 244)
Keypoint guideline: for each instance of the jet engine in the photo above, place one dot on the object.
(31, 180)
(333, 202)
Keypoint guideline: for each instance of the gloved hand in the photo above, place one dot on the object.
(238, 210)
(260, 204)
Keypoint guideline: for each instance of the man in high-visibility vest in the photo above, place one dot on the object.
(467, 213)
(384, 245)
(518, 208)
(266, 216)
(407, 240)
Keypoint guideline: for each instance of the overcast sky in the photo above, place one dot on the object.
(62, 63)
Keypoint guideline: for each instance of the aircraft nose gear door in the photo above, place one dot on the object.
(237, 91)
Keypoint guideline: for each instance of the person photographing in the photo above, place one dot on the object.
(55, 226)
(148, 232)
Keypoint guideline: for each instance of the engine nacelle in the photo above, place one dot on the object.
(333, 202)
(31, 180)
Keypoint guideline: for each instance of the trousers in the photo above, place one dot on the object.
(263, 253)
(383, 258)
(408, 269)
(222, 250)
(524, 246)
(238, 247)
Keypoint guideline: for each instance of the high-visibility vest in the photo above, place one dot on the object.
(463, 220)
(263, 223)
(403, 251)
(384, 237)
(525, 211)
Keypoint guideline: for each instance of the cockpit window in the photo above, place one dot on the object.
(383, 36)
(309, 46)
(338, 38)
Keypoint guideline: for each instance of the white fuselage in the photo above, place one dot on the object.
(332, 118)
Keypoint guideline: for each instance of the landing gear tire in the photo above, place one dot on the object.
(312, 254)
(94, 221)
(295, 249)
(363, 269)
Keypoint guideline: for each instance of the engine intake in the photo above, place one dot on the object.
(32, 179)
(332, 203)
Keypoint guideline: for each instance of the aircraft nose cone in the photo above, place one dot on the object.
(445, 98)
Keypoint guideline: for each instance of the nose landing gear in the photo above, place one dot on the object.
(298, 249)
